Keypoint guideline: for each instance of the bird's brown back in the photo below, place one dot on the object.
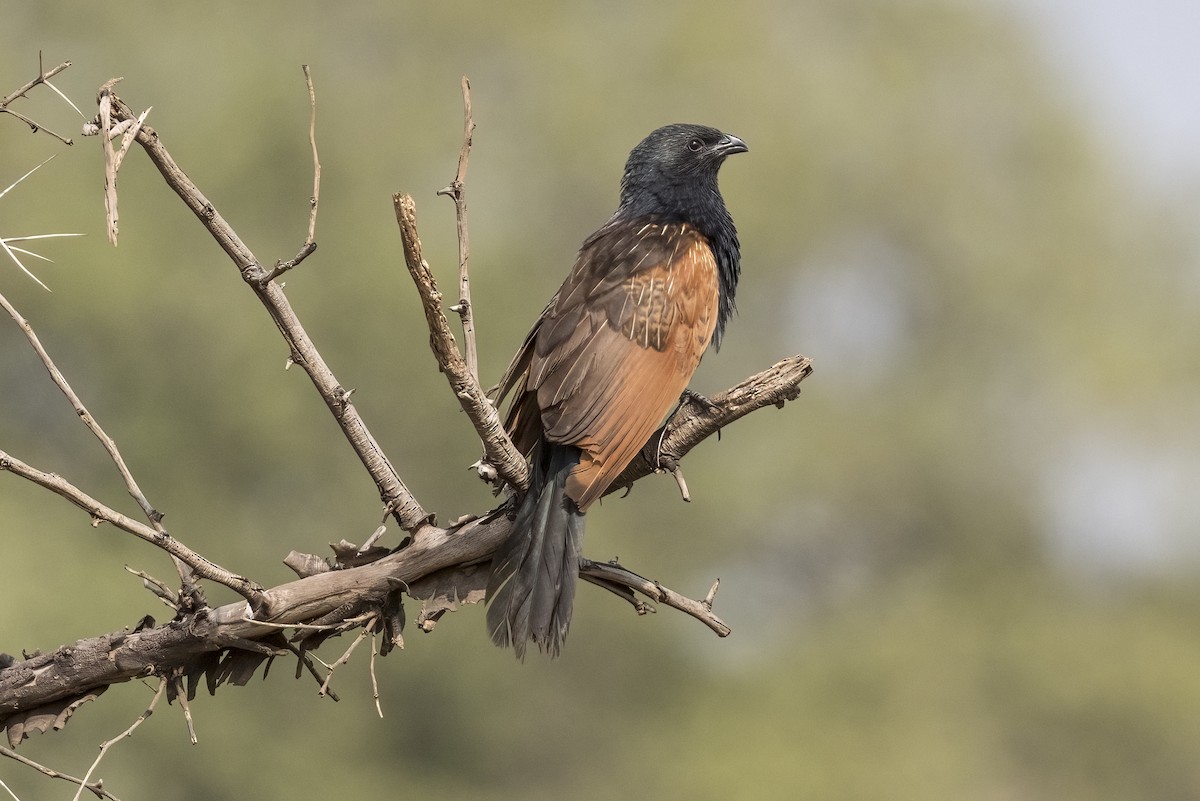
(615, 348)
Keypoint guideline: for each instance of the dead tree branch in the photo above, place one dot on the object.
(100, 513)
(442, 567)
(457, 191)
(106, 441)
(95, 787)
(6, 242)
(120, 656)
(392, 490)
(107, 744)
(498, 448)
(43, 77)
(697, 420)
(310, 243)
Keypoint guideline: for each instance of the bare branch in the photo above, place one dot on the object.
(120, 656)
(457, 191)
(113, 158)
(160, 590)
(84, 415)
(309, 245)
(442, 566)
(60, 381)
(162, 686)
(343, 659)
(393, 492)
(697, 420)
(304, 662)
(498, 448)
(312, 141)
(37, 126)
(104, 514)
(176, 691)
(612, 573)
(42, 78)
(374, 680)
(94, 787)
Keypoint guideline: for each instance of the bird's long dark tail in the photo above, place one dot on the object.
(532, 587)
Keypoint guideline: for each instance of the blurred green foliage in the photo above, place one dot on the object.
(923, 211)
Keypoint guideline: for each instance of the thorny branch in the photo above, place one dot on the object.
(7, 244)
(85, 416)
(96, 788)
(618, 579)
(184, 564)
(439, 564)
(457, 191)
(441, 567)
(43, 77)
(302, 351)
(11, 250)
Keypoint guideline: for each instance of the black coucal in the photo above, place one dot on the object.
(607, 361)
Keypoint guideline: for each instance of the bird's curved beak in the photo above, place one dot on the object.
(729, 145)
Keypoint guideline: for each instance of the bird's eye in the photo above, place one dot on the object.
(695, 145)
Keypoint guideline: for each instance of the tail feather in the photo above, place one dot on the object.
(532, 587)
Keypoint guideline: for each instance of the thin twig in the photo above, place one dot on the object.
(60, 381)
(620, 576)
(37, 126)
(159, 588)
(374, 680)
(104, 514)
(341, 660)
(309, 245)
(695, 422)
(110, 446)
(312, 141)
(297, 626)
(498, 448)
(162, 687)
(42, 77)
(96, 788)
(457, 191)
(303, 659)
(677, 471)
(181, 696)
(282, 267)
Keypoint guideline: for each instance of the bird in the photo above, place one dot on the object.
(606, 362)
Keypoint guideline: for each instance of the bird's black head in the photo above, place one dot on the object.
(671, 176)
(674, 166)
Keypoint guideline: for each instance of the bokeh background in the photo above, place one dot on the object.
(963, 565)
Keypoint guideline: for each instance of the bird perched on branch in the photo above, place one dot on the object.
(607, 361)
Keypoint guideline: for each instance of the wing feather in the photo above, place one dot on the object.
(616, 346)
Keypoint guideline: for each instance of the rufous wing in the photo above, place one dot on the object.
(617, 346)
